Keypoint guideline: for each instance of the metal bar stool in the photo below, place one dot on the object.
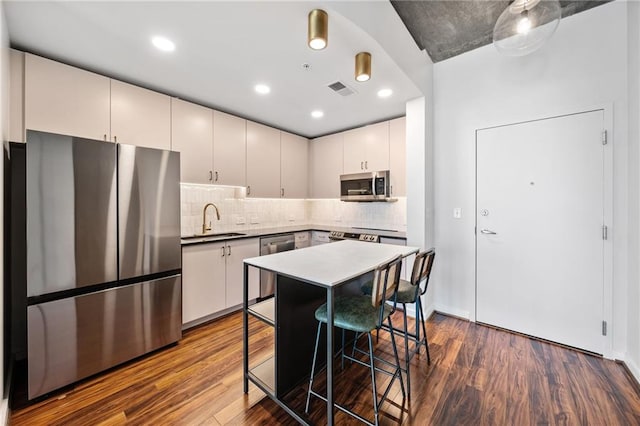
(411, 292)
(362, 314)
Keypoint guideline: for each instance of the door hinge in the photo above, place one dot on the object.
(604, 328)
(605, 232)
(604, 137)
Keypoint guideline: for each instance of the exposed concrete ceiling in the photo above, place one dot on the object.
(449, 28)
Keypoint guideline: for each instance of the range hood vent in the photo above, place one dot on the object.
(341, 88)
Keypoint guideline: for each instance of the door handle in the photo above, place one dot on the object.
(362, 165)
(210, 176)
(228, 250)
(488, 232)
(222, 251)
(249, 190)
(366, 165)
(282, 192)
(216, 176)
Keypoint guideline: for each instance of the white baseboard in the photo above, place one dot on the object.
(633, 367)
(448, 310)
(429, 310)
(411, 310)
(4, 412)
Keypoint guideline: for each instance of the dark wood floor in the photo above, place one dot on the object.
(479, 375)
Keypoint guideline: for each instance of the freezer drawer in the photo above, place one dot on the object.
(70, 339)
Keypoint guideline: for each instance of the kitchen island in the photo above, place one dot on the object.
(306, 278)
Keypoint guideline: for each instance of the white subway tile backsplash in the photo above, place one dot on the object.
(239, 213)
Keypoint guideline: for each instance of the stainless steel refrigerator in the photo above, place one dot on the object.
(103, 256)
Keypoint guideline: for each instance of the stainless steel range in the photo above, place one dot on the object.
(339, 236)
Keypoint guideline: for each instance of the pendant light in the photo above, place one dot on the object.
(318, 29)
(363, 66)
(525, 25)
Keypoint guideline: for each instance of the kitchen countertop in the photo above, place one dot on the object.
(329, 265)
(264, 232)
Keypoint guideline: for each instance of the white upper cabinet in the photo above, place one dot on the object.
(16, 96)
(192, 136)
(398, 156)
(294, 161)
(139, 116)
(62, 99)
(263, 161)
(366, 149)
(325, 164)
(229, 149)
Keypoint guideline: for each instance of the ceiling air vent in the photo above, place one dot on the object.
(341, 88)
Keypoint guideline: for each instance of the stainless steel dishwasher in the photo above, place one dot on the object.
(271, 245)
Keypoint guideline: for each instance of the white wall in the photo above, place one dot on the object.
(633, 340)
(419, 163)
(584, 64)
(4, 131)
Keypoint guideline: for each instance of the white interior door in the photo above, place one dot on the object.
(540, 213)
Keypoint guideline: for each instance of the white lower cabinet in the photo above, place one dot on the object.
(203, 281)
(237, 251)
(212, 277)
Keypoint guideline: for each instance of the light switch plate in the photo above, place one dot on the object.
(457, 213)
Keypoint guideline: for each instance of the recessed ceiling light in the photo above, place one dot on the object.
(317, 114)
(263, 89)
(384, 93)
(163, 43)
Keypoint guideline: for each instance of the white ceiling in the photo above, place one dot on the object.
(224, 48)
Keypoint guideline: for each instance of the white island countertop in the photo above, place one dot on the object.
(330, 264)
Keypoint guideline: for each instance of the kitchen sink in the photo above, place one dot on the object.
(218, 235)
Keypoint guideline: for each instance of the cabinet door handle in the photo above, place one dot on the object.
(362, 165)
(228, 250)
(282, 192)
(249, 190)
(216, 176)
(390, 189)
(366, 165)
(115, 139)
(210, 175)
(222, 251)
(105, 137)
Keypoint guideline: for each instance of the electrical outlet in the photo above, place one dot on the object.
(457, 213)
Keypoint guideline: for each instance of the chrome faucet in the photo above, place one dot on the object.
(206, 228)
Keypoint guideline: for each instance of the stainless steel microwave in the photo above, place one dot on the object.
(370, 186)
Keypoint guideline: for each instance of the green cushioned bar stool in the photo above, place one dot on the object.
(410, 292)
(362, 314)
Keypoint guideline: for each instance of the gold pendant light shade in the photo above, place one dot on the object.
(363, 66)
(318, 33)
